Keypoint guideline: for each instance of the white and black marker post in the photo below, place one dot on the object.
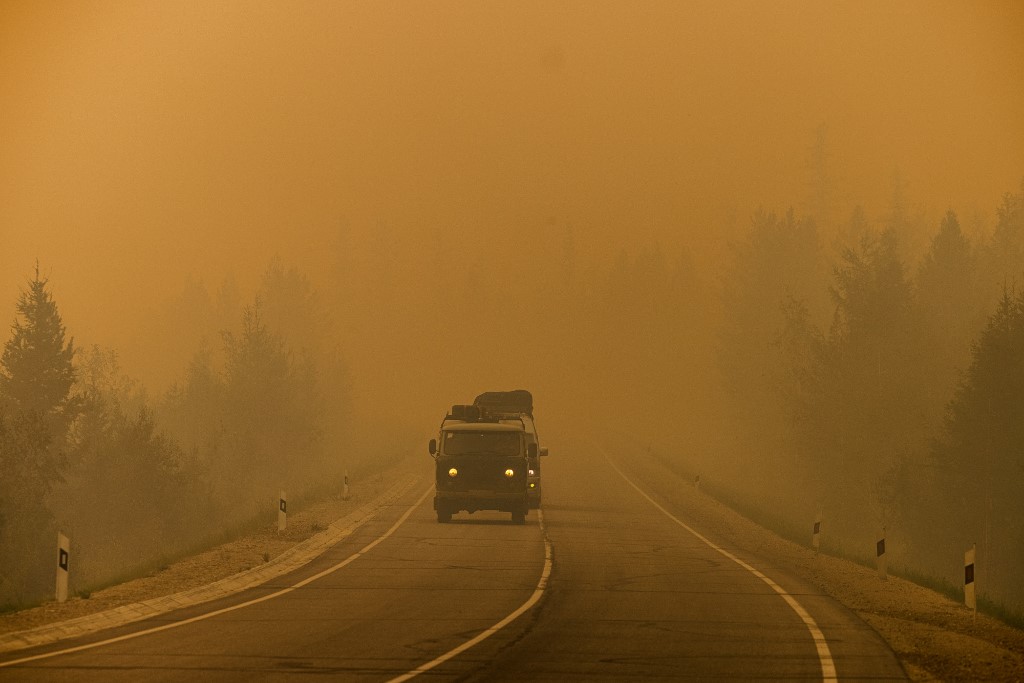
(970, 598)
(880, 556)
(344, 494)
(282, 512)
(816, 534)
(63, 564)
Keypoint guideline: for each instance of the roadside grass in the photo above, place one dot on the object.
(265, 518)
(361, 470)
(155, 565)
(256, 522)
(801, 535)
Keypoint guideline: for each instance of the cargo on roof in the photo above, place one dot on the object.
(515, 401)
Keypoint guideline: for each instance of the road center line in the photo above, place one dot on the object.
(828, 667)
(276, 594)
(484, 635)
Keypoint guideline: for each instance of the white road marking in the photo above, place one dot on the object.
(828, 667)
(484, 635)
(284, 591)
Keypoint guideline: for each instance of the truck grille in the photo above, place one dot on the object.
(481, 474)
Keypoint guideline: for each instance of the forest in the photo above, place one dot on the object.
(135, 481)
(867, 368)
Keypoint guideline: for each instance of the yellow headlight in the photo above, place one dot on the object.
(453, 472)
(510, 473)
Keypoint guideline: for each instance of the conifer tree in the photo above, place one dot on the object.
(36, 371)
(979, 460)
(953, 309)
(36, 406)
(871, 413)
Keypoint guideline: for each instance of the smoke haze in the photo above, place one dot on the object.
(145, 143)
(486, 196)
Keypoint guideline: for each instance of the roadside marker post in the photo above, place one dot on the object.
(970, 597)
(816, 534)
(883, 569)
(63, 566)
(344, 495)
(282, 512)
(696, 482)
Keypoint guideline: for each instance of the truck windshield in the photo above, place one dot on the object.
(481, 443)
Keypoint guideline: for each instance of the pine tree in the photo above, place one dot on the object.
(36, 371)
(36, 406)
(980, 456)
(871, 413)
(953, 310)
(263, 423)
(985, 422)
(1004, 256)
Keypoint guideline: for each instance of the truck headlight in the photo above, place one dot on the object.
(510, 473)
(531, 472)
(453, 472)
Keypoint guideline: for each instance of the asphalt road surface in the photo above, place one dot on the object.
(609, 582)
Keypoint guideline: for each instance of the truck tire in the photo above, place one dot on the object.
(519, 516)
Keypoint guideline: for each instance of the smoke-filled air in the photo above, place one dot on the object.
(248, 247)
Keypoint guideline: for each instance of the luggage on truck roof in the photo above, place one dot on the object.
(515, 401)
(464, 412)
(481, 414)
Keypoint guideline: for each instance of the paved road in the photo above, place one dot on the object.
(632, 595)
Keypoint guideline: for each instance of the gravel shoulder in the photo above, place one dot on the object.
(242, 554)
(934, 637)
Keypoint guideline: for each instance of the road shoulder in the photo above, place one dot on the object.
(223, 570)
(935, 638)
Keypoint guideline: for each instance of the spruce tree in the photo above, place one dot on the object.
(979, 459)
(36, 406)
(36, 371)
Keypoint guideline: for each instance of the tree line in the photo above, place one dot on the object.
(855, 368)
(889, 394)
(134, 481)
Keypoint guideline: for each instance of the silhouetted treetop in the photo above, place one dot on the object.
(36, 371)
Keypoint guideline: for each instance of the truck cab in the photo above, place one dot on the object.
(480, 463)
(518, 405)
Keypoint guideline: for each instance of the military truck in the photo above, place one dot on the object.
(513, 405)
(480, 463)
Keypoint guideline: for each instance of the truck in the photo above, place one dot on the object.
(481, 462)
(518, 405)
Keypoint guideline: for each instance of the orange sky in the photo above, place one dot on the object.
(143, 142)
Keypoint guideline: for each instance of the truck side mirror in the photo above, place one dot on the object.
(432, 446)
(543, 451)
(531, 450)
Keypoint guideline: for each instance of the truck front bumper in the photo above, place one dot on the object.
(471, 501)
